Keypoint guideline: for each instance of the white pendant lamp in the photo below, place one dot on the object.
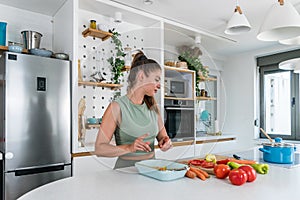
(297, 69)
(292, 41)
(292, 64)
(282, 22)
(238, 23)
(289, 64)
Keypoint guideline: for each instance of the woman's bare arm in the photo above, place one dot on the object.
(164, 142)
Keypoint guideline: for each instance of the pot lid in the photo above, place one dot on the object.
(278, 144)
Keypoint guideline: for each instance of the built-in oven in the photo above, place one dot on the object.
(180, 119)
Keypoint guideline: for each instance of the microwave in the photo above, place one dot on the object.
(175, 87)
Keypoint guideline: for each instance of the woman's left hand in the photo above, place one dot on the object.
(165, 143)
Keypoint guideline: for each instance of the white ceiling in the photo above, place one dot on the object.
(46, 7)
(210, 16)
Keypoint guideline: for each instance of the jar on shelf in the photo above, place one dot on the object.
(202, 92)
(93, 24)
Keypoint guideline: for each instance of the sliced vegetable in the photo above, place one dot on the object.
(211, 158)
(261, 168)
(208, 165)
(224, 161)
(196, 162)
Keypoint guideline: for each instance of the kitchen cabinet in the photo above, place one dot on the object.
(181, 74)
(208, 87)
(207, 107)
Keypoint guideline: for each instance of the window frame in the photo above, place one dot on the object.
(295, 110)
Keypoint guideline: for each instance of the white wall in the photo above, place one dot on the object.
(238, 98)
(19, 20)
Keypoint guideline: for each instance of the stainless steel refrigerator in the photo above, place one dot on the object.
(35, 116)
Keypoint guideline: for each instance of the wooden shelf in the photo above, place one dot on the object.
(206, 98)
(96, 33)
(175, 98)
(202, 78)
(80, 154)
(215, 140)
(179, 69)
(96, 84)
(90, 126)
(5, 48)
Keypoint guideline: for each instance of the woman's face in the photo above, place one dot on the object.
(151, 84)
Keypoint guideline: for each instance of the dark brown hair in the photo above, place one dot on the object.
(141, 63)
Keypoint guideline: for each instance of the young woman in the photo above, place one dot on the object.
(134, 119)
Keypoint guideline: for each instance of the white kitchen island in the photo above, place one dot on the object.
(126, 184)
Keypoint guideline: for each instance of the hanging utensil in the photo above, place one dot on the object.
(263, 131)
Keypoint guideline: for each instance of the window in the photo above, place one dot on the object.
(279, 102)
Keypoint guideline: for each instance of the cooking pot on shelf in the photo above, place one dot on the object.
(278, 152)
(31, 39)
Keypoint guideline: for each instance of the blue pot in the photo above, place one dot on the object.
(282, 153)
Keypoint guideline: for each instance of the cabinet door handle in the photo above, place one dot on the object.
(293, 103)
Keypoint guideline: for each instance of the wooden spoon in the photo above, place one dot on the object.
(263, 131)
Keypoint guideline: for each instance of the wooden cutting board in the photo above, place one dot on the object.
(208, 170)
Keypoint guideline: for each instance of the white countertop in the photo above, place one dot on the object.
(126, 184)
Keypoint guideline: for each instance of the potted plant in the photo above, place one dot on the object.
(117, 62)
(191, 57)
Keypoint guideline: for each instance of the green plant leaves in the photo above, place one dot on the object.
(117, 62)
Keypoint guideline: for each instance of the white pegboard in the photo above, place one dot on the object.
(93, 54)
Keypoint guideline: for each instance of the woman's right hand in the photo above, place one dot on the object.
(140, 145)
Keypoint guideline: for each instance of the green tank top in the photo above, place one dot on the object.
(136, 120)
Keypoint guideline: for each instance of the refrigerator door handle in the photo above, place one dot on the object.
(38, 170)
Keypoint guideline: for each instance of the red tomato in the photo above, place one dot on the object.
(237, 176)
(251, 173)
(221, 171)
(196, 162)
(206, 164)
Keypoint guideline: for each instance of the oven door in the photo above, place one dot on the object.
(180, 123)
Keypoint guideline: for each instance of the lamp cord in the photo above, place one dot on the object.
(281, 2)
(238, 8)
